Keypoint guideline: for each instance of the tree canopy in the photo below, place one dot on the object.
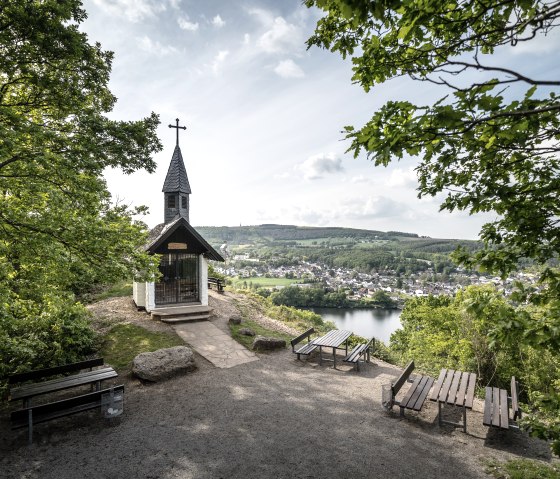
(489, 144)
(59, 227)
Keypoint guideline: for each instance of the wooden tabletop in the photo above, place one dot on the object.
(454, 387)
(333, 338)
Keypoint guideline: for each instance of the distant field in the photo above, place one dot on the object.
(265, 282)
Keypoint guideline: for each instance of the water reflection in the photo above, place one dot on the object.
(365, 322)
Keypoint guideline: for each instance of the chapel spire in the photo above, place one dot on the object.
(176, 187)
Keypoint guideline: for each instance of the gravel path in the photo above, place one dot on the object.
(277, 417)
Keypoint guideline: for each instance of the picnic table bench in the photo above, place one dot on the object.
(359, 350)
(31, 414)
(28, 417)
(307, 348)
(455, 388)
(416, 395)
(27, 392)
(217, 282)
(496, 406)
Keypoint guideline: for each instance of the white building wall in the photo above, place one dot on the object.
(139, 294)
(150, 296)
(203, 278)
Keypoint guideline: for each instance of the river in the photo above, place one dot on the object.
(364, 322)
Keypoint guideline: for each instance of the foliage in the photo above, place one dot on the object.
(59, 230)
(522, 469)
(125, 341)
(382, 299)
(490, 143)
(39, 334)
(457, 333)
(308, 297)
(212, 273)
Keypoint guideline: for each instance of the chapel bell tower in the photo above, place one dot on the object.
(176, 187)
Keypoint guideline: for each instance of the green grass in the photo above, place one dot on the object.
(117, 290)
(247, 341)
(522, 469)
(264, 282)
(125, 341)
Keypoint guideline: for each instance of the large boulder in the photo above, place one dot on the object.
(262, 342)
(163, 363)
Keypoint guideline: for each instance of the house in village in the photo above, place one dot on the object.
(182, 288)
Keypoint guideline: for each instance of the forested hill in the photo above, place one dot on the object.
(333, 237)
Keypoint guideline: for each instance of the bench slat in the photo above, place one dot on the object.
(446, 385)
(514, 399)
(423, 394)
(355, 353)
(504, 410)
(439, 382)
(43, 373)
(495, 407)
(487, 420)
(402, 378)
(44, 387)
(461, 394)
(470, 390)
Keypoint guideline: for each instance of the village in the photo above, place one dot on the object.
(359, 285)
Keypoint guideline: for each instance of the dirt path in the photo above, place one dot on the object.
(277, 417)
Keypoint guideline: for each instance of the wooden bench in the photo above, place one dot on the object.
(32, 415)
(27, 392)
(358, 351)
(307, 348)
(217, 282)
(496, 407)
(417, 393)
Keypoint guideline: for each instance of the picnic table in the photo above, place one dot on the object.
(333, 339)
(454, 388)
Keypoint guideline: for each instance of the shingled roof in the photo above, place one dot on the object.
(176, 179)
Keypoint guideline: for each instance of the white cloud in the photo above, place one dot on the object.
(359, 179)
(315, 167)
(148, 45)
(289, 69)
(132, 10)
(218, 22)
(246, 39)
(175, 4)
(279, 36)
(219, 60)
(402, 178)
(185, 24)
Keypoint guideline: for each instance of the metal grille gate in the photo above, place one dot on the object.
(179, 281)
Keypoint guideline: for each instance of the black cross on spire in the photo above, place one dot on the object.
(181, 127)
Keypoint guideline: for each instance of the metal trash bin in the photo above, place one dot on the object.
(387, 399)
(112, 403)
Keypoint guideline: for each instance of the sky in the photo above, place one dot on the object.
(264, 117)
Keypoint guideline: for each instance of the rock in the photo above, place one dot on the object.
(262, 342)
(163, 363)
(246, 332)
(235, 319)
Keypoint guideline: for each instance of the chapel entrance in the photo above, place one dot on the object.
(179, 280)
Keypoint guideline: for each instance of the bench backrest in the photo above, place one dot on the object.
(396, 386)
(307, 333)
(44, 373)
(515, 399)
(22, 415)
